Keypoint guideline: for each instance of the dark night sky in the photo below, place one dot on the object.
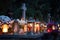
(11, 4)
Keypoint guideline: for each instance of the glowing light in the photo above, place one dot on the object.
(53, 27)
(5, 28)
(25, 28)
(31, 24)
(58, 25)
(59, 28)
(36, 28)
(48, 30)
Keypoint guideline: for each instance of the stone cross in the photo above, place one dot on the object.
(24, 10)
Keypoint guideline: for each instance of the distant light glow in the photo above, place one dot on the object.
(53, 27)
(59, 28)
(5, 28)
(58, 25)
(48, 30)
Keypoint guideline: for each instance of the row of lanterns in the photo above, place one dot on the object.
(53, 27)
(34, 27)
(29, 27)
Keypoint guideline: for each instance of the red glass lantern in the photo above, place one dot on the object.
(30, 26)
(49, 30)
(58, 25)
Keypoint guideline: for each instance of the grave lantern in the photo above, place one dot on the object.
(5, 28)
(30, 25)
(36, 27)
